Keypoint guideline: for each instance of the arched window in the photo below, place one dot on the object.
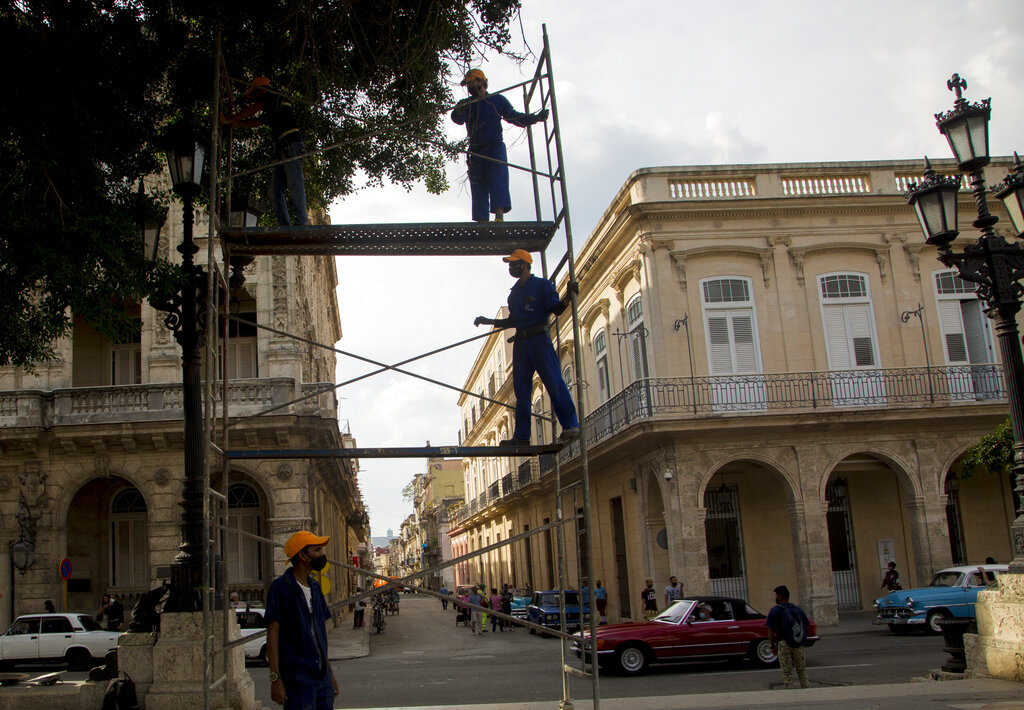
(241, 553)
(637, 338)
(601, 362)
(129, 540)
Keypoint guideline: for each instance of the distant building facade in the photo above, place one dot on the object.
(760, 408)
(92, 445)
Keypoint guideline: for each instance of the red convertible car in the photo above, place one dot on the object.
(696, 629)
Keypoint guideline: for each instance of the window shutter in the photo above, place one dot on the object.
(721, 350)
(743, 337)
(836, 340)
(976, 332)
(953, 332)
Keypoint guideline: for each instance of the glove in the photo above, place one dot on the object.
(540, 116)
(574, 287)
(481, 320)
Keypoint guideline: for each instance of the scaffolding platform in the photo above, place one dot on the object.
(435, 238)
(400, 452)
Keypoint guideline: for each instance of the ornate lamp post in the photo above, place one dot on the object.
(186, 316)
(992, 263)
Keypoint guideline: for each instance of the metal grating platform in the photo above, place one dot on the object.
(437, 238)
(404, 452)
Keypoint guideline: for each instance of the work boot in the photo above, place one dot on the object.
(516, 441)
(569, 434)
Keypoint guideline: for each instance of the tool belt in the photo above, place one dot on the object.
(532, 332)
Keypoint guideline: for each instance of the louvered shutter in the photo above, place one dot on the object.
(976, 325)
(952, 326)
(859, 322)
(836, 340)
(721, 349)
(743, 340)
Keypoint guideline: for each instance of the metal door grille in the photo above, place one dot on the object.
(840, 540)
(724, 534)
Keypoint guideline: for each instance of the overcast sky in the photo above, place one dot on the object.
(643, 84)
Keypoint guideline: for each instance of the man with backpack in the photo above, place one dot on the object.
(787, 627)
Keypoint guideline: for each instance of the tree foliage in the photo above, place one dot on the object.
(992, 453)
(97, 80)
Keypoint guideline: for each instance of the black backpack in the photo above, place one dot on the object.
(794, 626)
(121, 694)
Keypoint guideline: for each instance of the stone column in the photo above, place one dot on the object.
(693, 573)
(998, 647)
(920, 542)
(809, 523)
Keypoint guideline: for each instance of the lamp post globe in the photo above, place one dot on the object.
(935, 201)
(1011, 193)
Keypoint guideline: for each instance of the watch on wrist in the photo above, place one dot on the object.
(274, 677)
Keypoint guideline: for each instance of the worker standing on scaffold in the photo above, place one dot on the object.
(529, 303)
(277, 112)
(482, 114)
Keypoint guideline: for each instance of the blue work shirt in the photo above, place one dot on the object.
(296, 645)
(483, 118)
(601, 593)
(530, 302)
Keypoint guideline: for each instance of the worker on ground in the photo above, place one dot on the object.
(276, 111)
(482, 114)
(296, 614)
(529, 303)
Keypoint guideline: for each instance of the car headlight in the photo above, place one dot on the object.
(910, 601)
(876, 604)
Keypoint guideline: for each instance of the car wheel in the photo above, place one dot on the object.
(899, 629)
(78, 659)
(761, 653)
(933, 620)
(631, 660)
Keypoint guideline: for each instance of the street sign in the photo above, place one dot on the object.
(65, 569)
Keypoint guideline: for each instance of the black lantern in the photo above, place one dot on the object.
(966, 128)
(1011, 192)
(935, 199)
(186, 157)
(22, 553)
(151, 237)
(243, 213)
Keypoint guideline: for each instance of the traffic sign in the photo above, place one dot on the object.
(65, 569)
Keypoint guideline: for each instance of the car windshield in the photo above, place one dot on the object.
(571, 599)
(946, 579)
(675, 613)
(88, 623)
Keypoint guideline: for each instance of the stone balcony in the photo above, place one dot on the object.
(155, 402)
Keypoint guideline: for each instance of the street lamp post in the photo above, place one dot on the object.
(186, 316)
(993, 264)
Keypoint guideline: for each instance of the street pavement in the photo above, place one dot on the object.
(346, 644)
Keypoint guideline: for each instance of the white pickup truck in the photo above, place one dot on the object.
(75, 638)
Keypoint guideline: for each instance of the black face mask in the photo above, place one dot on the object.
(516, 268)
(318, 563)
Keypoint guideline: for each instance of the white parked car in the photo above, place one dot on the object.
(251, 622)
(77, 639)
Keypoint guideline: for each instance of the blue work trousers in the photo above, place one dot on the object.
(532, 355)
(488, 181)
(289, 176)
(309, 692)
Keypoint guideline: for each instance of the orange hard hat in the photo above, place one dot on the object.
(518, 255)
(260, 83)
(473, 74)
(302, 539)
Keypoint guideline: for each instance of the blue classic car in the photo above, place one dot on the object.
(952, 592)
(543, 610)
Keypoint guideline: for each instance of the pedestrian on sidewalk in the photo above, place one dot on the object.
(787, 628)
(601, 595)
(891, 581)
(673, 592)
(649, 599)
(297, 613)
(496, 622)
(476, 615)
(506, 607)
(444, 602)
(358, 611)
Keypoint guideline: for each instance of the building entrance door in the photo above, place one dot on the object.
(840, 540)
(724, 534)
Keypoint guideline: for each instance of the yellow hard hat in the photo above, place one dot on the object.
(473, 74)
(518, 255)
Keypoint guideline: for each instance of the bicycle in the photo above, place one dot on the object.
(378, 615)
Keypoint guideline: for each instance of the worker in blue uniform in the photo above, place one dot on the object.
(529, 303)
(482, 115)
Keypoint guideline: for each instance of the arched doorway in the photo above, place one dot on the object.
(748, 532)
(979, 513)
(108, 543)
(869, 520)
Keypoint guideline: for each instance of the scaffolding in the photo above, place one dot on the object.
(237, 247)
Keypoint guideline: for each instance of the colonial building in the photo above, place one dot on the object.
(91, 467)
(778, 380)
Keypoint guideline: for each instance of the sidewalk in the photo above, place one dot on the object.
(344, 642)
